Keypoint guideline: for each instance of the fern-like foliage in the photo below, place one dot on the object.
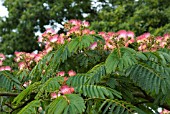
(30, 108)
(8, 81)
(67, 104)
(120, 58)
(77, 80)
(25, 93)
(93, 76)
(50, 85)
(96, 73)
(95, 91)
(80, 43)
(115, 106)
(152, 72)
(36, 72)
(150, 76)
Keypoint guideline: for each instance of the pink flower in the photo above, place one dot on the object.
(66, 89)
(110, 34)
(163, 44)
(50, 30)
(75, 29)
(159, 39)
(130, 34)
(147, 35)
(92, 32)
(71, 89)
(75, 22)
(2, 68)
(17, 59)
(166, 36)
(53, 95)
(102, 34)
(26, 84)
(93, 46)
(129, 42)
(38, 57)
(85, 31)
(40, 109)
(21, 65)
(69, 39)
(142, 47)
(71, 73)
(40, 39)
(7, 68)
(65, 79)
(1, 62)
(85, 24)
(17, 54)
(165, 112)
(53, 38)
(32, 55)
(61, 73)
(48, 49)
(2, 57)
(60, 40)
(122, 34)
(143, 38)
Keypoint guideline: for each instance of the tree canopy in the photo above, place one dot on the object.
(17, 31)
(83, 71)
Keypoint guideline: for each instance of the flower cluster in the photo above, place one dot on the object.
(77, 28)
(64, 89)
(2, 68)
(147, 42)
(27, 60)
(50, 39)
(165, 112)
(114, 40)
(70, 73)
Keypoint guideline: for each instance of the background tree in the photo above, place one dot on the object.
(27, 17)
(137, 15)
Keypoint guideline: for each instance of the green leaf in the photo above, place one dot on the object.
(120, 58)
(96, 73)
(8, 81)
(95, 91)
(77, 80)
(150, 76)
(80, 43)
(50, 85)
(116, 106)
(73, 45)
(30, 108)
(26, 92)
(67, 104)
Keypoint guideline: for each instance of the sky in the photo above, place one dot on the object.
(3, 10)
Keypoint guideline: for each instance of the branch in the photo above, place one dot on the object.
(144, 95)
(8, 94)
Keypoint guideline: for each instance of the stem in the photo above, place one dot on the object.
(119, 53)
(144, 95)
(8, 94)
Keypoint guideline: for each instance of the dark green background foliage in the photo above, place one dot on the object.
(137, 15)
(29, 16)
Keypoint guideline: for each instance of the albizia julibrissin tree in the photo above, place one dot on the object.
(87, 72)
